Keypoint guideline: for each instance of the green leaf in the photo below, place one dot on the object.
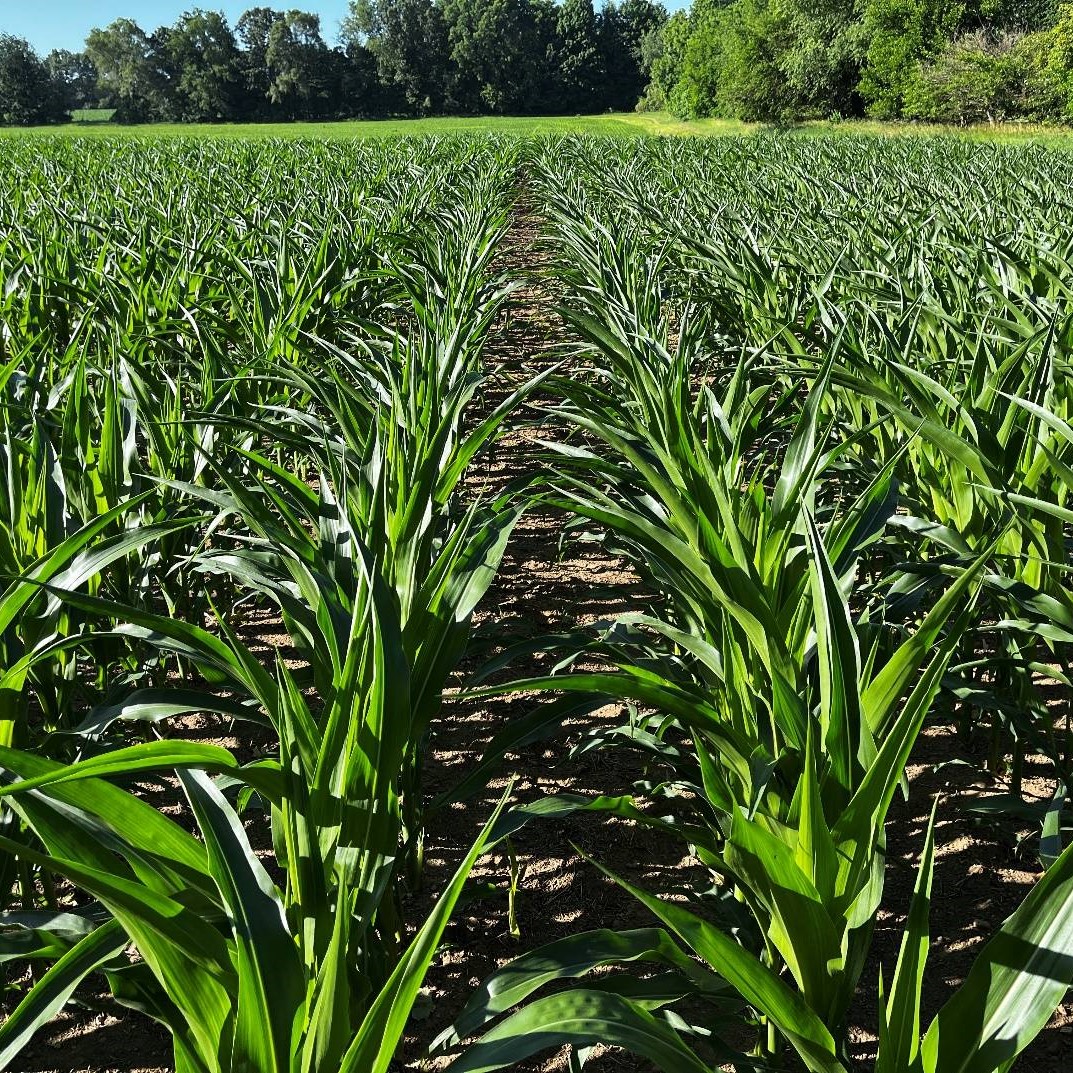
(579, 1018)
(569, 959)
(378, 1038)
(1050, 844)
(887, 687)
(899, 1024)
(1016, 983)
(50, 994)
(187, 954)
(150, 756)
(271, 980)
(754, 981)
(800, 926)
(838, 655)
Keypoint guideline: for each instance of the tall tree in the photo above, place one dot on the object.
(27, 92)
(253, 30)
(499, 50)
(624, 30)
(705, 59)
(902, 34)
(409, 39)
(297, 61)
(74, 78)
(664, 51)
(359, 90)
(821, 46)
(580, 58)
(205, 59)
(127, 69)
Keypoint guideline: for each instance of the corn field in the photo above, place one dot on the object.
(268, 471)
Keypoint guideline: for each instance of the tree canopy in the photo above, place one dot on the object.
(950, 61)
(394, 57)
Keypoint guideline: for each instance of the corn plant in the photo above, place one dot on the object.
(798, 715)
(815, 393)
(1017, 981)
(226, 360)
(226, 963)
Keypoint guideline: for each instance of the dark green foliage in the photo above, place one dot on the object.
(27, 92)
(360, 92)
(976, 78)
(252, 30)
(580, 60)
(74, 78)
(410, 41)
(500, 54)
(759, 60)
(821, 65)
(948, 61)
(296, 61)
(901, 34)
(204, 59)
(768, 61)
(394, 57)
(626, 31)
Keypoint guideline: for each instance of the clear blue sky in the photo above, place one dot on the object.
(49, 24)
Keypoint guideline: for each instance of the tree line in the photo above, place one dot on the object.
(946, 61)
(952, 61)
(393, 57)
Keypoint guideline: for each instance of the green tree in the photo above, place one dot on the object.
(297, 62)
(410, 41)
(74, 78)
(580, 59)
(696, 93)
(664, 52)
(976, 77)
(359, 90)
(205, 59)
(128, 73)
(902, 34)
(27, 92)
(762, 60)
(822, 48)
(624, 30)
(253, 30)
(1045, 64)
(1020, 16)
(499, 53)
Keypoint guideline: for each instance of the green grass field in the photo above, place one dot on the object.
(92, 115)
(622, 124)
(626, 123)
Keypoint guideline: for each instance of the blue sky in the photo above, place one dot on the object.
(49, 24)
